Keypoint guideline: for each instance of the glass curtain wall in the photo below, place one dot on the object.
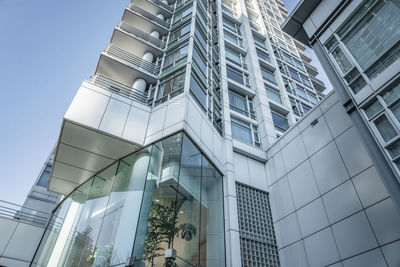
(166, 195)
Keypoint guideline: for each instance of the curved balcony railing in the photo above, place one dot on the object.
(149, 16)
(119, 88)
(141, 35)
(132, 59)
(163, 5)
(23, 214)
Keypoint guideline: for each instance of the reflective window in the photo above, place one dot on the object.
(375, 34)
(241, 131)
(268, 75)
(234, 74)
(45, 177)
(180, 33)
(198, 90)
(171, 84)
(280, 121)
(167, 195)
(273, 94)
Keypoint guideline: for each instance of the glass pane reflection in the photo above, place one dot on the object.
(167, 195)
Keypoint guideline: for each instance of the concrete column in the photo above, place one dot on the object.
(160, 16)
(140, 85)
(155, 34)
(148, 56)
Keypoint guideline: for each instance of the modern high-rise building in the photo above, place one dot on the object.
(204, 139)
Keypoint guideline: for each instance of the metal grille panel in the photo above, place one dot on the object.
(257, 237)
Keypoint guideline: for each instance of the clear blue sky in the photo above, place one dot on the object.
(47, 48)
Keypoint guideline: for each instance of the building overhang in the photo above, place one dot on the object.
(293, 25)
(81, 153)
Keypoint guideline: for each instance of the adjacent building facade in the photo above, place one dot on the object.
(202, 140)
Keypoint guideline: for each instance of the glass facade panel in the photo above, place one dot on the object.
(341, 59)
(44, 178)
(375, 34)
(385, 128)
(166, 195)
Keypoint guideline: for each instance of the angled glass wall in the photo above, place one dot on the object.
(166, 195)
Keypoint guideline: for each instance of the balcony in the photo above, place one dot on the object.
(155, 7)
(119, 88)
(318, 84)
(304, 56)
(144, 21)
(135, 41)
(124, 67)
(311, 69)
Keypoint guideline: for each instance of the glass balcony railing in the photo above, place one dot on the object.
(141, 35)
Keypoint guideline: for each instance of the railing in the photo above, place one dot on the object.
(131, 58)
(163, 5)
(148, 15)
(23, 214)
(118, 88)
(142, 35)
(308, 65)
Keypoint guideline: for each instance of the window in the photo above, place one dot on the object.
(198, 91)
(234, 74)
(313, 98)
(241, 131)
(233, 56)
(305, 80)
(375, 34)
(273, 94)
(200, 37)
(171, 84)
(287, 58)
(238, 103)
(245, 132)
(176, 56)
(268, 75)
(280, 121)
(301, 92)
(294, 107)
(258, 41)
(298, 64)
(294, 74)
(383, 113)
(241, 104)
(231, 26)
(232, 38)
(179, 33)
(305, 108)
(262, 55)
(182, 14)
(199, 61)
(45, 177)
(341, 59)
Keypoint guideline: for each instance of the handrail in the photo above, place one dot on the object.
(118, 88)
(133, 59)
(23, 214)
(142, 35)
(148, 15)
